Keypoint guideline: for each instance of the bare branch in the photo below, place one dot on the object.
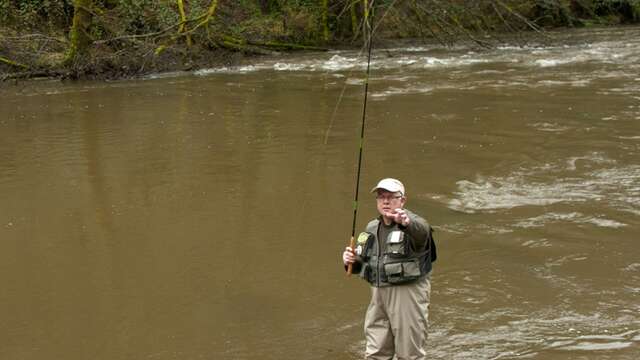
(531, 25)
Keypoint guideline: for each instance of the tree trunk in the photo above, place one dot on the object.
(325, 20)
(366, 27)
(79, 34)
(354, 20)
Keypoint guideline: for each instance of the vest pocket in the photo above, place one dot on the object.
(411, 268)
(393, 272)
(402, 271)
(396, 244)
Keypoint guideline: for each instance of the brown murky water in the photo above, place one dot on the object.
(202, 216)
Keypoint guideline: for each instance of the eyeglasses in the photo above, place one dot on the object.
(388, 197)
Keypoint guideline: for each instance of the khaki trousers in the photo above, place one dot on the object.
(397, 321)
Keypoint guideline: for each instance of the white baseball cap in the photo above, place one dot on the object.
(391, 185)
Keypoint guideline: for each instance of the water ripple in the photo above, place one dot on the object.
(537, 336)
(620, 186)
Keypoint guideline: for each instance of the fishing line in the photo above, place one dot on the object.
(362, 127)
(362, 50)
(344, 87)
(368, 47)
(364, 117)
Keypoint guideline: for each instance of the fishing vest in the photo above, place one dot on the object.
(393, 260)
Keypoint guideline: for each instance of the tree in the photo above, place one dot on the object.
(79, 38)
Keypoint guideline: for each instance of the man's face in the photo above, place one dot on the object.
(388, 201)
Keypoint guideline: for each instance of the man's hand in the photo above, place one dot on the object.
(400, 216)
(348, 256)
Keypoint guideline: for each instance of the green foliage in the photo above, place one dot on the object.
(5, 11)
(302, 23)
(298, 20)
(36, 14)
(553, 13)
(588, 11)
(635, 5)
(621, 10)
(283, 20)
(143, 16)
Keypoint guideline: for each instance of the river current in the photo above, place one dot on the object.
(202, 215)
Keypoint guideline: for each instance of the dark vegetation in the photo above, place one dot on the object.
(120, 38)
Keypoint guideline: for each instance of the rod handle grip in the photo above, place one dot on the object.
(352, 243)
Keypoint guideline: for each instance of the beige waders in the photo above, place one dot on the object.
(397, 321)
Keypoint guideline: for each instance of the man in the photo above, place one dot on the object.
(394, 255)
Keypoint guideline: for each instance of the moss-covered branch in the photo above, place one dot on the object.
(208, 15)
(183, 20)
(13, 63)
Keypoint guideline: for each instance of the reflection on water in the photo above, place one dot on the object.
(201, 215)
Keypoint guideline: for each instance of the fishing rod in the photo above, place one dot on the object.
(367, 25)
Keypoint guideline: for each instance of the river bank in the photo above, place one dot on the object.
(123, 39)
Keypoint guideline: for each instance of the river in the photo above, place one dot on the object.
(203, 215)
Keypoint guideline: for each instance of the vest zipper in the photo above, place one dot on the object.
(379, 255)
